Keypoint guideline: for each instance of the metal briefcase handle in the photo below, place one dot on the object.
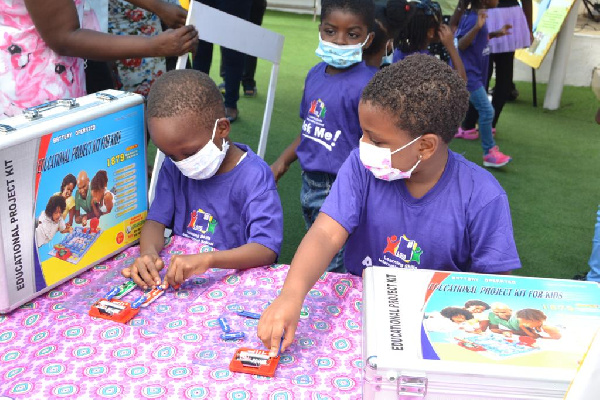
(32, 113)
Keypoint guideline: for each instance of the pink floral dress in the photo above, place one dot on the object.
(30, 72)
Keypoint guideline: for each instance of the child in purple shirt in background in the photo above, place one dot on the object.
(417, 24)
(329, 108)
(472, 36)
(209, 189)
(403, 199)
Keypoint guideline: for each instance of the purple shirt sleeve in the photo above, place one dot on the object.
(493, 247)
(265, 220)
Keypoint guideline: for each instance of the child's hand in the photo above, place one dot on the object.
(182, 267)
(279, 168)
(144, 270)
(446, 36)
(84, 220)
(281, 316)
(175, 42)
(172, 15)
(481, 17)
(505, 30)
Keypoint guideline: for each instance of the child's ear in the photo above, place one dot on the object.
(223, 128)
(428, 145)
(369, 40)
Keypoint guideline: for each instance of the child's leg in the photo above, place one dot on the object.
(594, 263)
(504, 67)
(315, 188)
(483, 106)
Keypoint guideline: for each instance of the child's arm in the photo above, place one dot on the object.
(64, 35)
(323, 240)
(457, 15)
(144, 271)
(282, 164)
(465, 41)
(172, 15)
(552, 332)
(108, 202)
(447, 39)
(505, 30)
(246, 256)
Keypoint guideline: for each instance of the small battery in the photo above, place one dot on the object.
(224, 325)
(233, 335)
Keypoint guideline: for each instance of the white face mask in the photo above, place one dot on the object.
(378, 160)
(205, 163)
(340, 56)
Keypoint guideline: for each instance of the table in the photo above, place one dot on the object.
(50, 349)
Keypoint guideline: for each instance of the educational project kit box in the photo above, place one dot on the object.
(448, 335)
(74, 189)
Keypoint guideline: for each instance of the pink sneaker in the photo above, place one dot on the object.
(495, 158)
(468, 134)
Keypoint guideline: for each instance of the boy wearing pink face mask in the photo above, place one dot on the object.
(403, 199)
(209, 189)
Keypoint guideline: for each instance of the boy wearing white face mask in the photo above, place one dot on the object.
(329, 107)
(403, 200)
(208, 189)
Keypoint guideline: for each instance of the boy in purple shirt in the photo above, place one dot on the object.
(329, 108)
(208, 189)
(403, 199)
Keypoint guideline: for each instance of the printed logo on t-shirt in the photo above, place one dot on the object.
(486, 51)
(201, 226)
(401, 252)
(313, 127)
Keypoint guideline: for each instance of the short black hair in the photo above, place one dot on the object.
(450, 312)
(186, 92)
(382, 30)
(100, 180)
(365, 9)
(69, 178)
(531, 314)
(422, 93)
(410, 21)
(477, 303)
(53, 202)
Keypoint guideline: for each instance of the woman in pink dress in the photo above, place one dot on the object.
(43, 45)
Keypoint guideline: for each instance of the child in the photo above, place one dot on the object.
(419, 23)
(530, 322)
(381, 51)
(329, 107)
(66, 190)
(479, 310)
(438, 210)
(102, 199)
(208, 189)
(51, 221)
(463, 318)
(472, 36)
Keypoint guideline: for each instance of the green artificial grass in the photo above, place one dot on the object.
(553, 182)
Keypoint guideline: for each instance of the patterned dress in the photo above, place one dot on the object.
(30, 72)
(137, 74)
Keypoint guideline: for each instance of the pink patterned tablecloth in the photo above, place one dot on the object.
(50, 348)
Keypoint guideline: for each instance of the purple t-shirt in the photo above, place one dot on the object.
(475, 57)
(225, 211)
(399, 56)
(462, 224)
(329, 109)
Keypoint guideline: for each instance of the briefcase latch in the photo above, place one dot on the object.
(412, 386)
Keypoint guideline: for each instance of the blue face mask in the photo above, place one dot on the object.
(387, 59)
(340, 56)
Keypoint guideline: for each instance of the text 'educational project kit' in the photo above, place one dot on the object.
(74, 189)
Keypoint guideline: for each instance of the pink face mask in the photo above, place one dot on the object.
(378, 160)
